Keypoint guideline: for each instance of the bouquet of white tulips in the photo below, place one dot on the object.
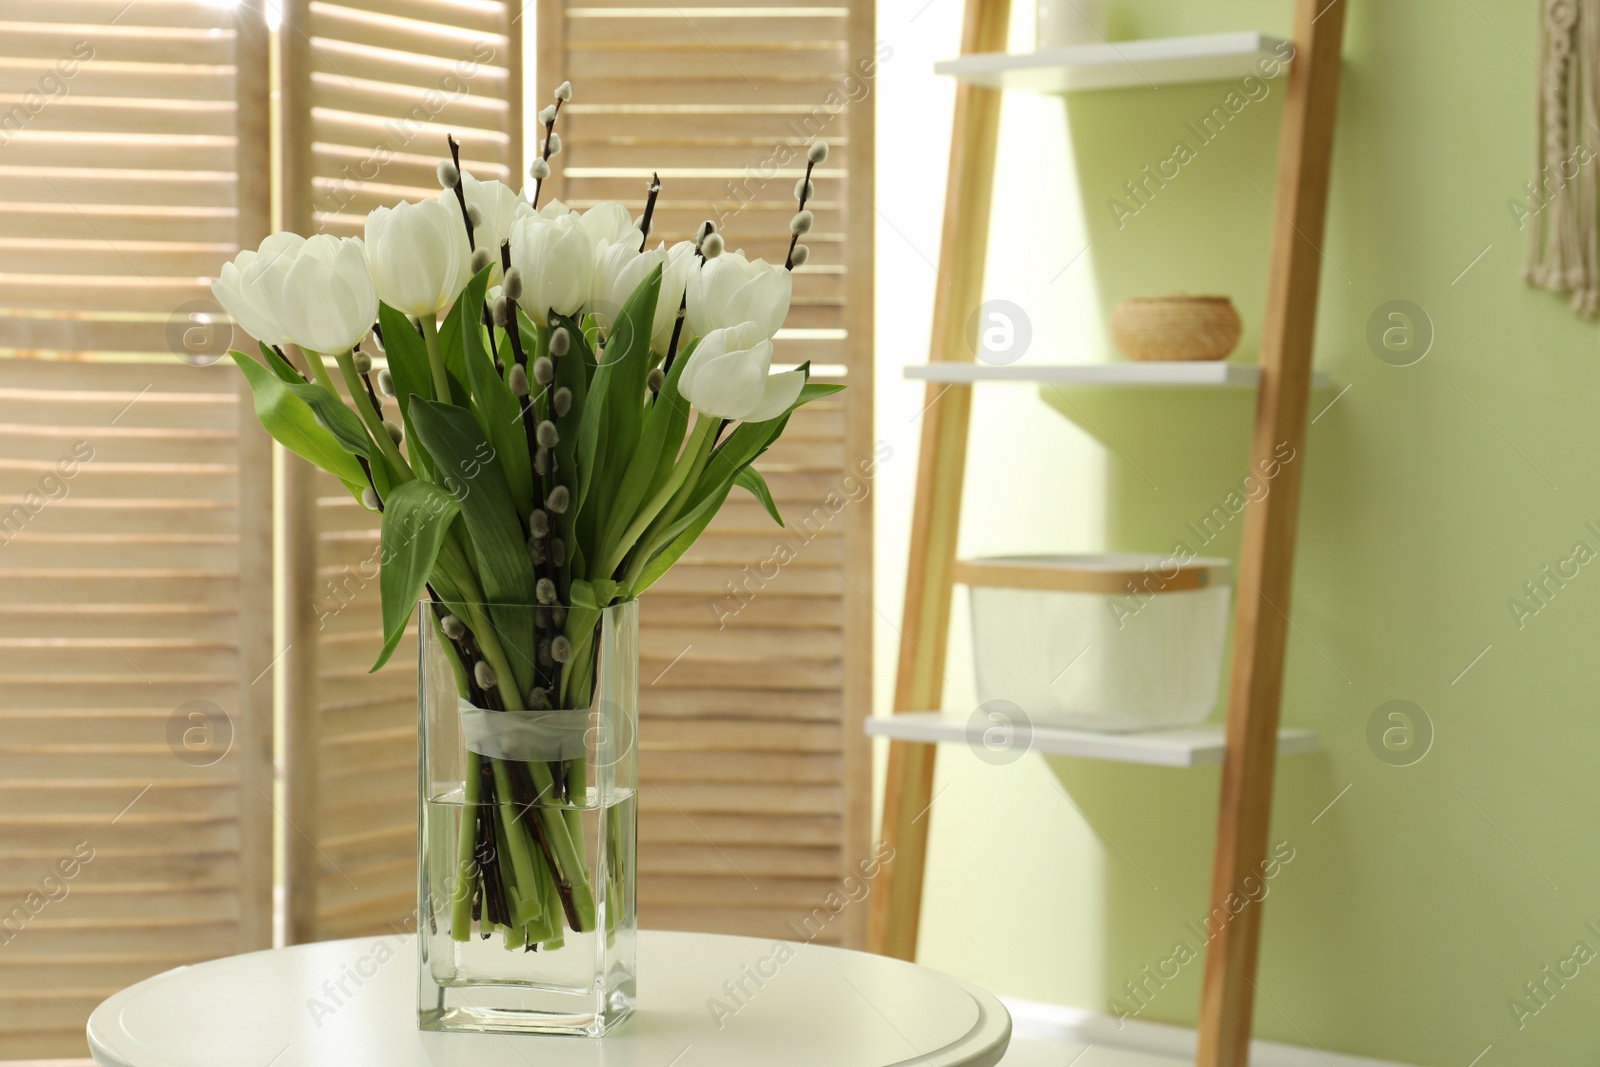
(571, 408)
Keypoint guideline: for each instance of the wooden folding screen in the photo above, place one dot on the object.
(370, 89)
(135, 496)
(754, 794)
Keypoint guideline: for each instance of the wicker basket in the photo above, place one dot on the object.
(1176, 327)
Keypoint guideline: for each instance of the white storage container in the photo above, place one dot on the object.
(1103, 642)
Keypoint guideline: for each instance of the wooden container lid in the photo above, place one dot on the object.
(1108, 574)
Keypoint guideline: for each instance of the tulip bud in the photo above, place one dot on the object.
(805, 189)
(818, 153)
(564, 92)
(655, 379)
(386, 382)
(547, 115)
(513, 284)
(545, 434)
(483, 674)
(562, 401)
(498, 311)
(363, 362)
(561, 649)
(517, 380)
(544, 371)
(538, 522)
(731, 289)
(449, 174)
(711, 247)
(418, 256)
(396, 434)
(369, 499)
(800, 255)
(558, 500)
(558, 551)
(480, 260)
(544, 590)
(800, 225)
(541, 461)
(474, 216)
(559, 341)
(539, 170)
(727, 377)
(452, 627)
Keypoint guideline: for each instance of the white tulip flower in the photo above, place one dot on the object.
(498, 206)
(674, 278)
(556, 259)
(618, 269)
(730, 290)
(727, 376)
(418, 255)
(326, 300)
(249, 284)
(555, 209)
(606, 224)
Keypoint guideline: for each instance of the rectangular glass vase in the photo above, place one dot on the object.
(527, 838)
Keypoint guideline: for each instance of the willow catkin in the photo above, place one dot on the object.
(1563, 213)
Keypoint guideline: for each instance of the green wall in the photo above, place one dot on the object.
(1422, 901)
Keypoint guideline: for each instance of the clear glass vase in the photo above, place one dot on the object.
(526, 840)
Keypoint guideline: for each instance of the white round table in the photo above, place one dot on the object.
(825, 1007)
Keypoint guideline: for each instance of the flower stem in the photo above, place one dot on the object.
(430, 337)
(320, 370)
(371, 417)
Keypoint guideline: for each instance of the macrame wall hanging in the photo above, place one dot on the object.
(1563, 210)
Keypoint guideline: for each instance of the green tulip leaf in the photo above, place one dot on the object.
(686, 533)
(294, 425)
(416, 517)
(650, 464)
(463, 317)
(468, 467)
(408, 366)
(750, 478)
(500, 415)
(609, 433)
(737, 451)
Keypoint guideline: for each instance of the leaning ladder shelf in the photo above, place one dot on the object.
(1284, 380)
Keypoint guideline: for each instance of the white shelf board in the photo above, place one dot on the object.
(1119, 64)
(1153, 374)
(1186, 747)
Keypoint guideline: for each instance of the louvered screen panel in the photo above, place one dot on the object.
(754, 778)
(135, 555)
(371, 87)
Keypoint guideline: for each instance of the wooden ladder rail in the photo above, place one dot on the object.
(1267, 558)
(1266, 561)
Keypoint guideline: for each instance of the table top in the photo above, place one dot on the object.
(826, 1007)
